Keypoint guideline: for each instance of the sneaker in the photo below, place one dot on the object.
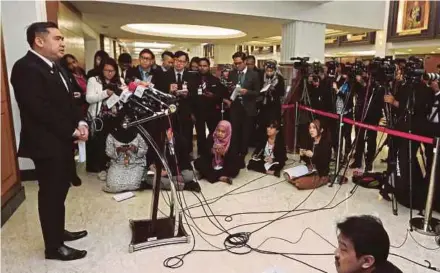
(102, 176)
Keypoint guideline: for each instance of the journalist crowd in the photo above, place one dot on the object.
(244, 107)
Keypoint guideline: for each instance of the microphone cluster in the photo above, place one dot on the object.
(145, 104)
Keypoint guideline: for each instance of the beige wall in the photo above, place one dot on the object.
(70, 24)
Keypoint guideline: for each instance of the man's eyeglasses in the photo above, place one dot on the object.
(145, 58)
(109, 71)
(238, 63)
(180, 61)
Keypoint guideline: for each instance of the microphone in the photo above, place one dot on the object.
(159, 93)
(171, 107)
(127, 97)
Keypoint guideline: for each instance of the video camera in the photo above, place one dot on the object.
(382, 69)
(331, 65)
(301, 63)
(354, 69)
(414, 69)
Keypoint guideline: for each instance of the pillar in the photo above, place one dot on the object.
(223, 54)
(16, 46)
(196, 51)
(302, 39)
(381, 35)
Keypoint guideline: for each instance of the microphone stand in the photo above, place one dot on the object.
(157, 231)
(338, 178)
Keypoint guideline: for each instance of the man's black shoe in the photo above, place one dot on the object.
(192, 186)
(355, 165)
(72, 236)
(368, 168)
(65, 253)
(76, 181)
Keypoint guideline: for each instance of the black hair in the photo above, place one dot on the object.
(252, 57)
(194, 60)
(240, 55)
(180, 53)
(124, 58)
(100, 53)
(64, 63)
(368, 236)
(205, 60)
(167, 53)
(109, 61)
(274, 124)
(146, 50)
(37, 28)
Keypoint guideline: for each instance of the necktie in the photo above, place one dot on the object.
(179, 81)
(57, 72)
(122, 75)
(240, 77)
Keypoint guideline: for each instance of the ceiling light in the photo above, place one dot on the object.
(183, 31)
(410, 50)
(432, 52)
(154, 50)
(152, 45)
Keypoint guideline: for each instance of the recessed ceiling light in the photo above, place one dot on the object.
(432, 52)
(410, 50)
(152, 45)
(183, 31)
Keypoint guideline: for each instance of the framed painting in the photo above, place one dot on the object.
(412, 20)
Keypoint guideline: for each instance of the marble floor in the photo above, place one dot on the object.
(109, 235)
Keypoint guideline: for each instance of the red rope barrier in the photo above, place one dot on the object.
(401, 134)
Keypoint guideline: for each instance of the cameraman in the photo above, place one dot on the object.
(413, 105)
(368, 110)
(99, 90)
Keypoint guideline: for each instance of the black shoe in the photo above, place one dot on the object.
(76, 181)
(355, 165)
(277, 173)
(72, 236)
(65, 253)
(242, 163)
(368, 168)
(192, 186)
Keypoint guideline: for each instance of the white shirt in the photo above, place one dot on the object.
(46, 60)
(50, 63)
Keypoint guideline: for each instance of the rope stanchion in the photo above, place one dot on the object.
(401, 134)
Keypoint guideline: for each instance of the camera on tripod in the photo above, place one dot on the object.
(301, 63)
(331, 68)
(414, 69)
(354, 69)
(382, 69)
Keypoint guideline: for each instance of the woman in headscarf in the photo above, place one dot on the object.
(220, 163)
(127, 151)
(271, 104)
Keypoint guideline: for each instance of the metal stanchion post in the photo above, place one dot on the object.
(295, 140)
(337, 178)
(428, 225)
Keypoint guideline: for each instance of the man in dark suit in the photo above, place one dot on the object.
(145, 69)
(50, 123)
(243, 108)
(207, 103)
(181, 83)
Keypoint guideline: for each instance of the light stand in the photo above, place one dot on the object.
(410, 106)
(428, 225)
(157, 231)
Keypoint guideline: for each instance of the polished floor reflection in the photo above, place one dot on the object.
(109, 234)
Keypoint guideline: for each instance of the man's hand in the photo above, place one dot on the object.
(309, 153)
(243, 91)
(146, 84)
(391, 100)
(76, 95)
(184, 93)
(173, 88)
(82, 133)
(227, 102)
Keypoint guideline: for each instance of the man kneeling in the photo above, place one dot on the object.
(363, 246)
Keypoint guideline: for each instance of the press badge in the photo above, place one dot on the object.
(200, 90)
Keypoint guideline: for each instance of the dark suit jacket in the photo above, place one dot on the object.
(158, 77)
(203, 105)
(184, 107)
(48, 113)
(253, 85)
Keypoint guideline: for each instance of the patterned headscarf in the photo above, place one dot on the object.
(225, 142)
